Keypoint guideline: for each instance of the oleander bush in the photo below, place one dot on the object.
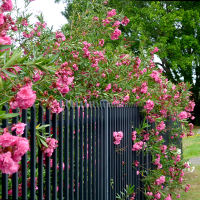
(90, 60)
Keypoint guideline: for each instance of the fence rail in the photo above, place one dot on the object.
(87, 165)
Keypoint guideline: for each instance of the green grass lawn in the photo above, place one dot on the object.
(192, 178)
(191, 146)
(191, 149)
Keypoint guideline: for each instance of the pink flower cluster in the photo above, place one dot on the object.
(125, 21)
(108, 87)
(37, 75)
(160, 126)
(149, 105)
(6, 23)
(134, 133)
(12, 148)
(157, 162)
(168, 197)
(117, 137)
(55, 106)
(160, 180)
(144, 88)
(126, 98)
(111, 13)
(38, 27)
(115, 35)
(187, 187)
(157, 195)
(86, 49)
(52, 144)
(163, 148)
(190, 106)
(7, 5)
(19, 128)
(65, 78)
(137, 146)
(183, 115)
(60, 36)
(155, 50)
(155, 75)
(25, 98)
(101, 42)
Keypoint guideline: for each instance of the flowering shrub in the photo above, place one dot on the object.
(89, 61)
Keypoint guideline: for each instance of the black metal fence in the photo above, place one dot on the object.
(94, 167)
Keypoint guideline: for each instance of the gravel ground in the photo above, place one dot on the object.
(195, 161)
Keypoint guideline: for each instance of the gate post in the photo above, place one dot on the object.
(106, 164)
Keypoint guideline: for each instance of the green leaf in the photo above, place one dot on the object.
(9, 115)
(2, 47)
(15, 58)
(43, 142)
(9, 73)
(42, 127)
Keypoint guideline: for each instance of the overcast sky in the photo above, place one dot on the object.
(51, 11)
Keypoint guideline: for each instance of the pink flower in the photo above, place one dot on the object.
(190, 106)
(101, 42)
(1, 18)
(144, 88)
(160, 126)
(134, 135)
(160, 180)
(37, 75)
(146, 137)
(149, 193)
(60, 36)
(7, 140)
(168, 197)
(7, 5)
(5, 40)
(187, 187)
(52, 144)
(108, 87)
(126, 98)
(115, 35)
(95, 18)
(19, 127)
(111, 13)
(75, 67)
(21, 147)
(105, 21)
(149, 105)
(137, 146)
(117, 137)
(125, 21)
(13, 148)
(116, 24)
(163, 148)
(7, 164)
(55, 107)
(155, 76)
(136, 163)
(157, 195)
(183, 115)
(25, 98)
(155, 50)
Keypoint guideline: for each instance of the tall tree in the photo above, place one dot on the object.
(172, 26)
